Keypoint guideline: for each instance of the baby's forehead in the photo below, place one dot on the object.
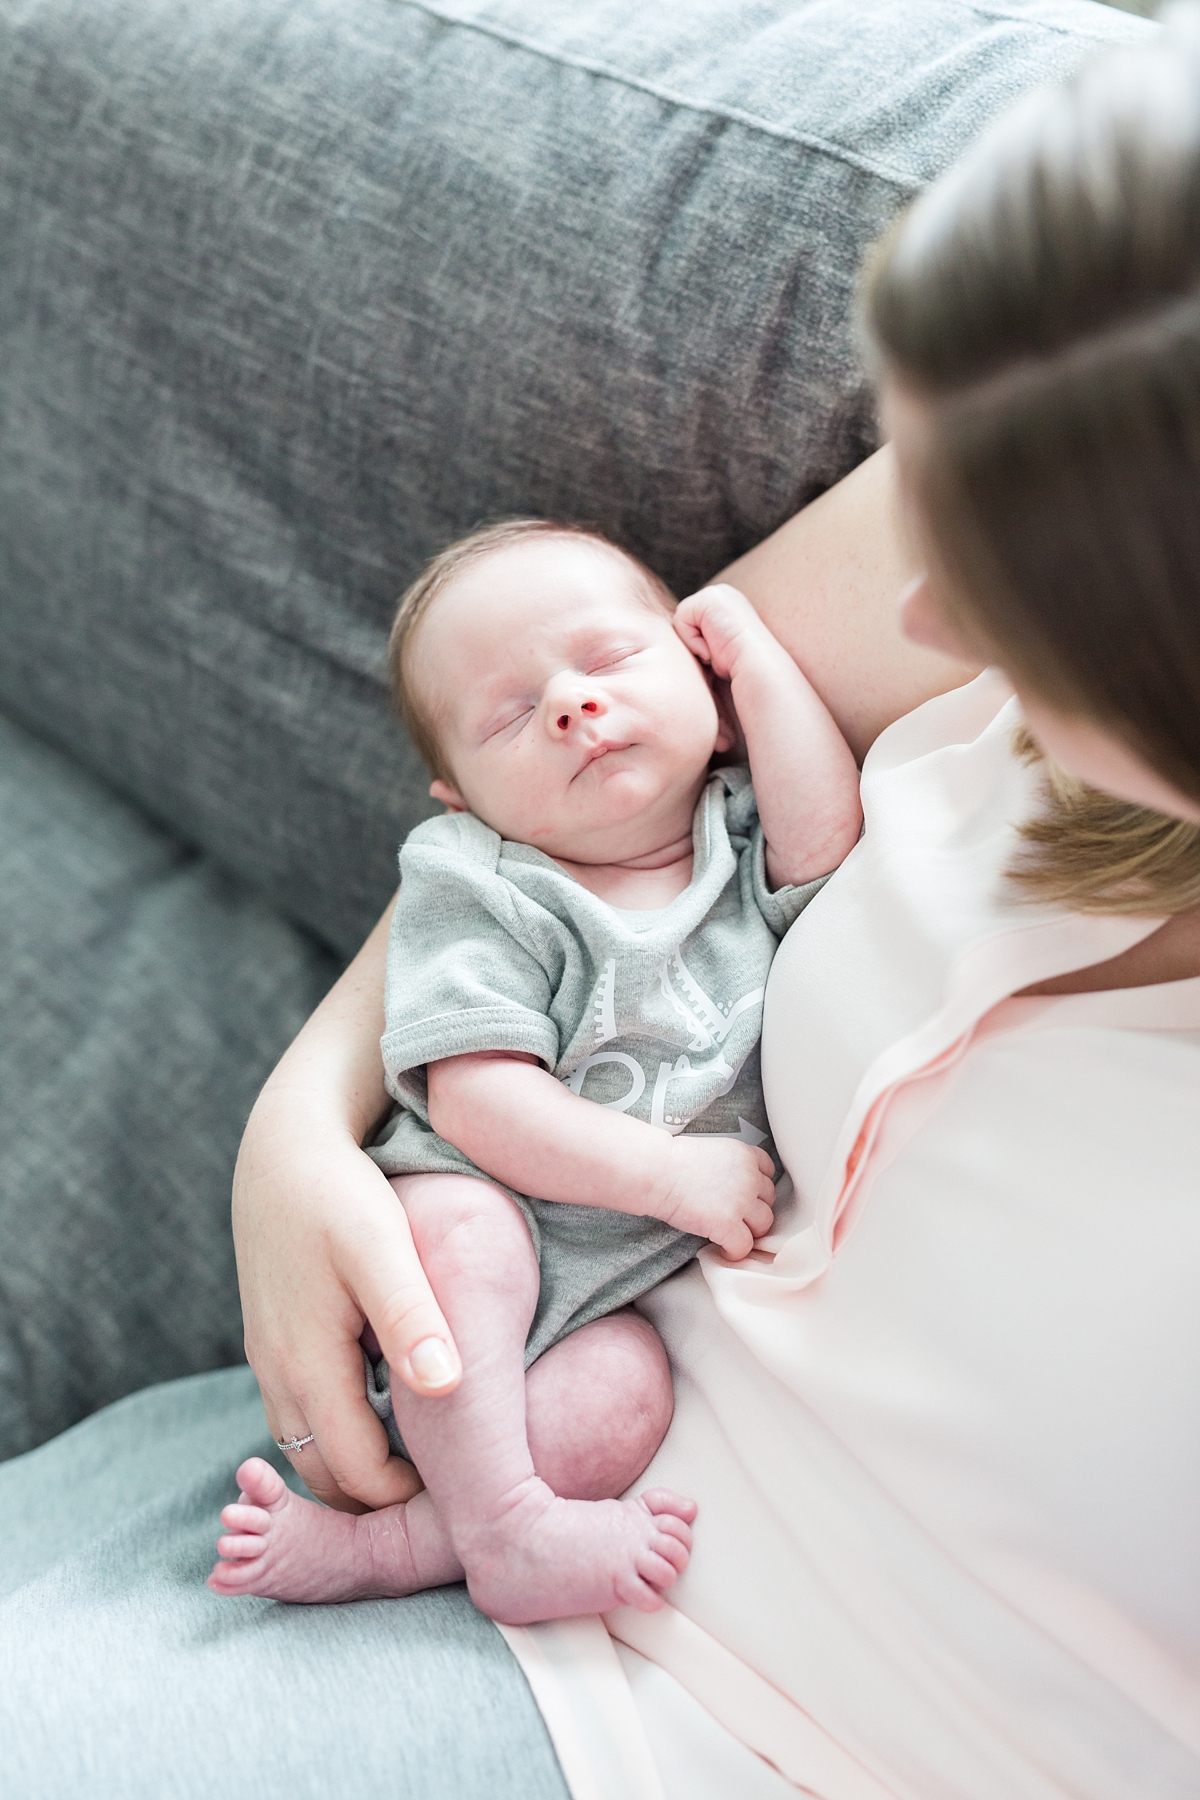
(552, 581)
(513, 606)
(549, 559)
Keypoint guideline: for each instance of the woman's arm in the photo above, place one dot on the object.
(826, 584)
(323, 1245)
(322, 1242)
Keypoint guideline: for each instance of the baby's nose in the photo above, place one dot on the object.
(586, 706)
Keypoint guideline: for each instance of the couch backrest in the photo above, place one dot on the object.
(294, 291)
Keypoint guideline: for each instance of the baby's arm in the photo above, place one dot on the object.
(805, 778)
(524, 1128)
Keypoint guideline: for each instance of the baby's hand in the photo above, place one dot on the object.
(720, 1189)
(717, 624)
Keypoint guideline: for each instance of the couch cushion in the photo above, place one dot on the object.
(294, 291)
(145, 995)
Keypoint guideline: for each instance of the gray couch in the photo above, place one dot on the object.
(291, 293)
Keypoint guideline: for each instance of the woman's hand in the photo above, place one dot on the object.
(324, 1247)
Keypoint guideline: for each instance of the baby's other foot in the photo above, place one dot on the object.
(546, 1558)
(283, 1547)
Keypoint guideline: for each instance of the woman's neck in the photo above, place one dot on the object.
(1172, 953)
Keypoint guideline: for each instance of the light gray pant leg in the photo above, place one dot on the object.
(122, 1677)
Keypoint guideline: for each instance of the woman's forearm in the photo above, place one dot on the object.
(826, 584)
(332, 1075)
(323, 1247)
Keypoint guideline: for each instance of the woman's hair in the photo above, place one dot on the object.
(1042, 304)
(1096, 854)
(437, 576)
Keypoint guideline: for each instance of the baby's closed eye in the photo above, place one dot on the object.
(511, 719)
(609, 658)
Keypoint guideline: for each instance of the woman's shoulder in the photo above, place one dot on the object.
(983, 712)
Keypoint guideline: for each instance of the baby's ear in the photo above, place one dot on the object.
(449, 796)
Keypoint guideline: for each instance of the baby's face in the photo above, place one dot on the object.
(572, 714)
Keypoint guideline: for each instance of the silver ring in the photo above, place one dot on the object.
(295, 1443)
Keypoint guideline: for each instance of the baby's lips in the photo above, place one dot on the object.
(596, 752)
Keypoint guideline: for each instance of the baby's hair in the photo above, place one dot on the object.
(437, 576)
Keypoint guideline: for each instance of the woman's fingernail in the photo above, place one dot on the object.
(432, 1363)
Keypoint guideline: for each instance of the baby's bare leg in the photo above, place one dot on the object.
(527, 1553)
(597, 1406)
(600, 1404)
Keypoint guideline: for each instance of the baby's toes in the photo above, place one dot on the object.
(659, 1571)
(233, 1577)
(644, 1595)
(668, 1525)
(666, 1504)
(671, 1550)
(237, 1549)
(260, 1484)
(241, 1518)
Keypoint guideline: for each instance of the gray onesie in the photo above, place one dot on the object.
(656, 1014)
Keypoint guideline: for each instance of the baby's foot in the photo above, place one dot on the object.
(546, 1558)
(286, 1548)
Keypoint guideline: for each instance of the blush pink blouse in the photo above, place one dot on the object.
(944, 1428)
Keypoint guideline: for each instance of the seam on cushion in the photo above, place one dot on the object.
(911, 184)
(1092, 37)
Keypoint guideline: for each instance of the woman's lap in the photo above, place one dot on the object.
(122, 1675)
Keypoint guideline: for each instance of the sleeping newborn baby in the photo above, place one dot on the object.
(574, 998)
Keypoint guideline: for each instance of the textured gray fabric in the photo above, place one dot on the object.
(122, 1677)
(294, 291)
(144, 997)
(291, 292)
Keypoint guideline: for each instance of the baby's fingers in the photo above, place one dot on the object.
(736, 1241)
(690, 632)
(760, 1218)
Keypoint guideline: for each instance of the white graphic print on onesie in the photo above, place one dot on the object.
(707, 1022)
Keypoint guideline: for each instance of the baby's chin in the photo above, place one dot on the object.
(622, 817)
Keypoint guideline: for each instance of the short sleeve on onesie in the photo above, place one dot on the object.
(464, 972)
